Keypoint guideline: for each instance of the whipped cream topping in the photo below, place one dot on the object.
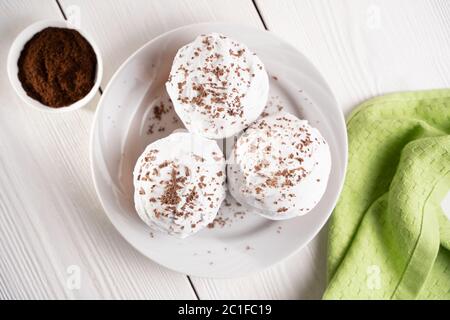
(280, 165)
(179, 183)
(217, 85)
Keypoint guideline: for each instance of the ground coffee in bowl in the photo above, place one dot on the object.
(57, 67)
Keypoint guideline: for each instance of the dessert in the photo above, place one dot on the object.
(217, 85)
(179, 183)
(280, 165)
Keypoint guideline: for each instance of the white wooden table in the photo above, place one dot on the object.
(50, 218)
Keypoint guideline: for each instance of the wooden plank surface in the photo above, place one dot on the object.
(51, 221)
(368, 47)
(363, 48)
(50, 218)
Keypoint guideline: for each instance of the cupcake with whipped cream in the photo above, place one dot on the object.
(218, 86)
(179, 183)
(280, 166)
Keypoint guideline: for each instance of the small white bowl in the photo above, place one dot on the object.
(13, 69)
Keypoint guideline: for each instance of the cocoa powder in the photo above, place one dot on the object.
(57, 67)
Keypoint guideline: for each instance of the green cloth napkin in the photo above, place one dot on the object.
(389, 237)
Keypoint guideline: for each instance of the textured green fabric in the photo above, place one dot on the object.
(389, 237)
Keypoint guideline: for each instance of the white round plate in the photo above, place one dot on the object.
(240, 242)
